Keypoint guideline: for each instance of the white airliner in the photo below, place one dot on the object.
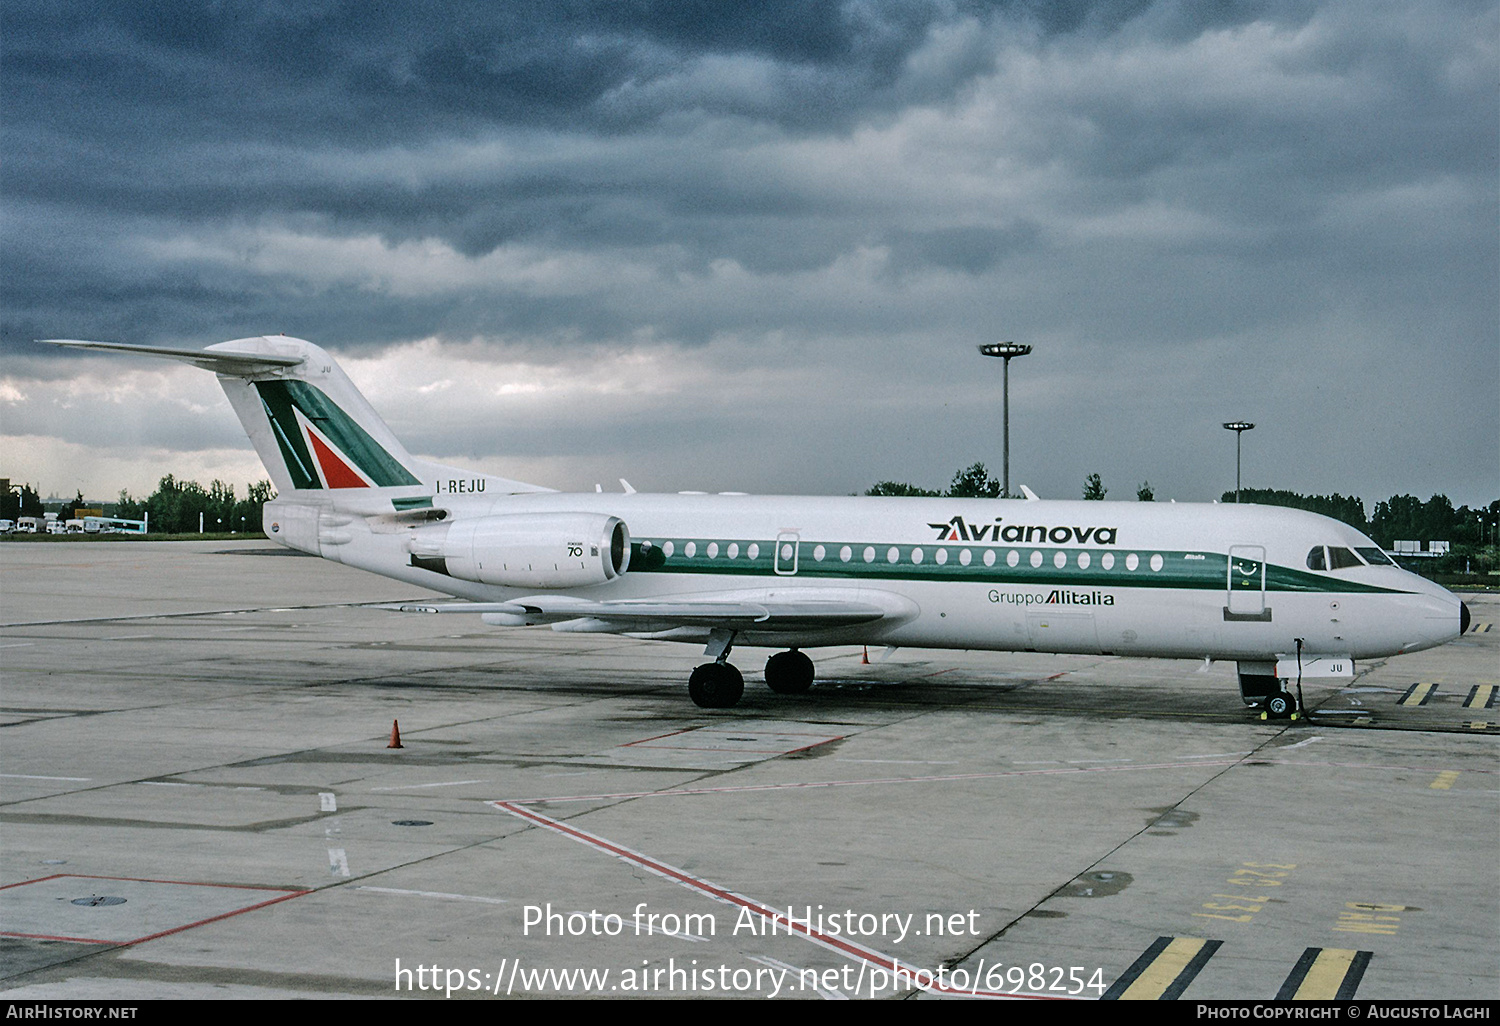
(1282, 592)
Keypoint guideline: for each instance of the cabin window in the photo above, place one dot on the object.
(1036, 559)
(916, 555)
(753, 551)
(1060, 560)
(1084, 560)
(941, 557)
(734, 550)
(1341, 558)
(1315, 558)
(713, 550)
(846, 554)
(1157, 562)
(1011, 558)
(1132, 561)
(1375, 557)
(690, 549)
(965, 556)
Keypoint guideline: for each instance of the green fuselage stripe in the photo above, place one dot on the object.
(1190, 570)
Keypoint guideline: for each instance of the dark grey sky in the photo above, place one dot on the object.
(753, 246)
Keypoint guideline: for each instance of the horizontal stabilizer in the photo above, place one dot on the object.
(240, 365)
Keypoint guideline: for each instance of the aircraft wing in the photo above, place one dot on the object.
(655, 615)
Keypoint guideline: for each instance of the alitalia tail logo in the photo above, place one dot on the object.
(321, 445)
(959, 529)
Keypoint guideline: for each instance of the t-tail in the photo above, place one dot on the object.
(319, 438)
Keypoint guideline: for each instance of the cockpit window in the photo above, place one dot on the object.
(1375, 557)
(1339, 558)
(1315, 560)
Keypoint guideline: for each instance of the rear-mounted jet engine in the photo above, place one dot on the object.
(542, 550)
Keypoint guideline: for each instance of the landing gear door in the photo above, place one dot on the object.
(1246, 584)
(786, 552)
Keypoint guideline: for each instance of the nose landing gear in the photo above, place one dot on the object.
(1280, 706)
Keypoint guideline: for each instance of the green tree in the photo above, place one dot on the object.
(974, 483)
(29, 503)
(127, 508)
(1347, 508)
(1145, 493)
(1407, 517)
(899, 488)
(10, 503)
(246, 514)
(1093, 488)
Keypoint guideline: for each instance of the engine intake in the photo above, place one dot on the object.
(527, 550)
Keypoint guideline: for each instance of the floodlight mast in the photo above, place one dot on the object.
(1239, 427)
(1006, 351)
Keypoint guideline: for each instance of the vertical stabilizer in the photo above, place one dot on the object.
(319, 438)
(313, 429)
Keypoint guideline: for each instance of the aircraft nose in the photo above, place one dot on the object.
(1463, 618)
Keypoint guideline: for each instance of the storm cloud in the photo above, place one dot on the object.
(752, 247)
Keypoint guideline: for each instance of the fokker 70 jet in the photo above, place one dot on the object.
(1279, 591)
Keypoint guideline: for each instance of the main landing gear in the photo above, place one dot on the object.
(716, 685)
(719, 684)
(789, 673)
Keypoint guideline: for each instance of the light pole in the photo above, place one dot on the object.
(1006, 351)
(1239, 427)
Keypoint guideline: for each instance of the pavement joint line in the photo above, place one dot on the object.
(177, 616)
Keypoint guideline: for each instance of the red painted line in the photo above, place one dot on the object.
(146, 879)
(40, 879)
(284, 895)
(777, 919)
(226, 915)
(669, 733)
(49, 937)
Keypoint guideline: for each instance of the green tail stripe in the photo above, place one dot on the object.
(281, 398)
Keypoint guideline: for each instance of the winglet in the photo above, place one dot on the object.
(1031, 496)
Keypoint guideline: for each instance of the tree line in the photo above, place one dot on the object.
(175, 506)
(1401, 517)
(975, 482)
(1472, 532)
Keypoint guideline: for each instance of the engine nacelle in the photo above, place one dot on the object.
(528, 550)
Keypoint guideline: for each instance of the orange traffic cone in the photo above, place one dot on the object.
(395, 735)
(864, 660)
